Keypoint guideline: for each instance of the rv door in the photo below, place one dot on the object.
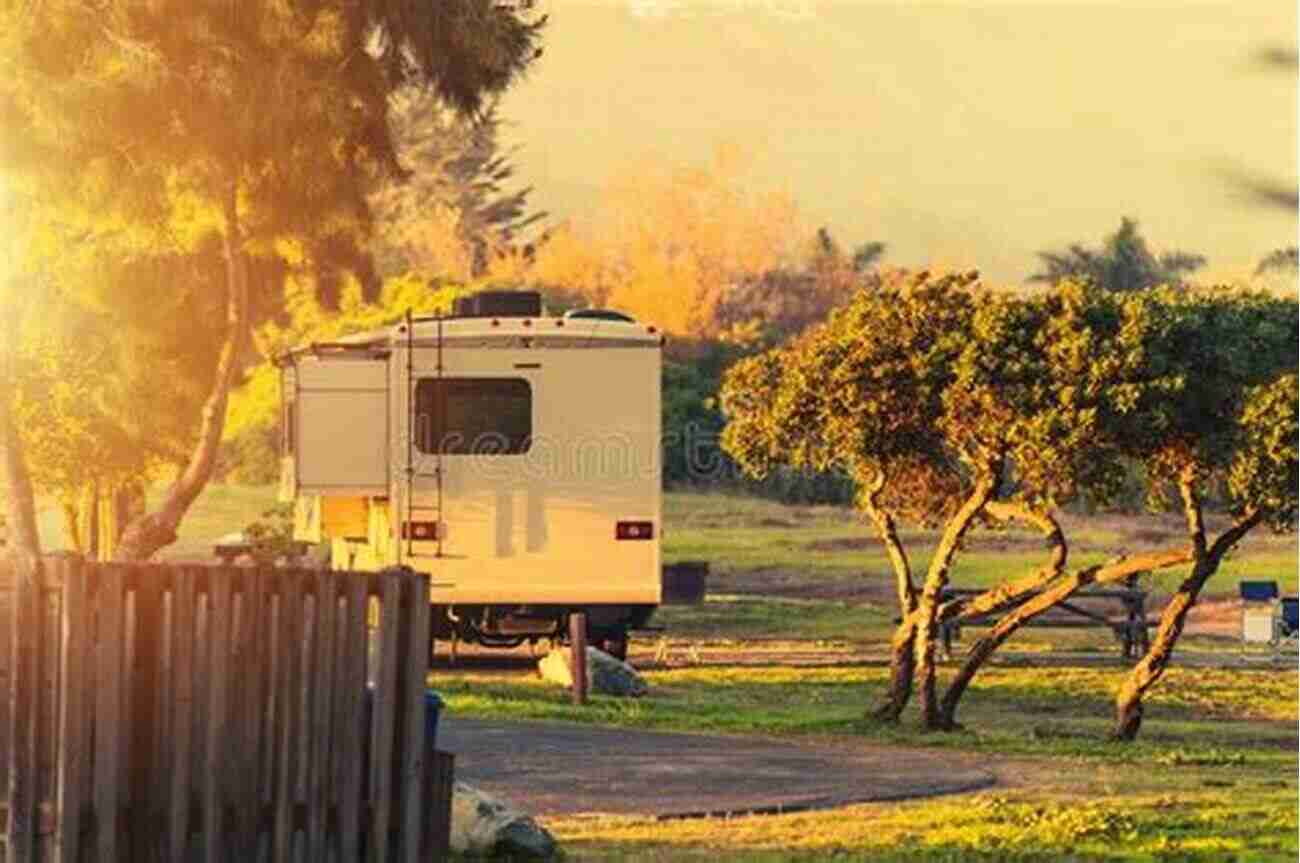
(341, 427)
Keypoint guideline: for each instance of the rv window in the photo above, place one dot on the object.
(484, 416)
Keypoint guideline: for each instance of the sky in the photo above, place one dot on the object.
(960, 133)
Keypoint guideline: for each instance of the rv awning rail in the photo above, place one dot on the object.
(375, 350)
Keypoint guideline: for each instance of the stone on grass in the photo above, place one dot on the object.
(487, 826)
(605, 674)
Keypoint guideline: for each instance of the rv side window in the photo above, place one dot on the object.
(482, 416)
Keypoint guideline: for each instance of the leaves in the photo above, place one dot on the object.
(921, 381)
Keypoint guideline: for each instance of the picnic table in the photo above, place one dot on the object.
(1130, 624)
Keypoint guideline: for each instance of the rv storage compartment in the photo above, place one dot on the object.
(499, 304)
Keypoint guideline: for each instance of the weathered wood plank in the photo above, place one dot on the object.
(76, 630)
(350, 717)
(25, 647)
(321, 714)
(414, 655)
(440, 774)
(181, 707)
(250, 674)
(216, 768)
(383, 718)
(143, 685)
(289, 722)
(110, 596)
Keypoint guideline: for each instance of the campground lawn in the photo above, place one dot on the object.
(1213, 776)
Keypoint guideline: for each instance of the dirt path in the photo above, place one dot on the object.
(556, 768)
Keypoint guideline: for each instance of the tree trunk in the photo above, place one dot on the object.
(902, 668)
(902, 650)
(936, 579)
(1149, 670)
(22, 534)
(145, 535)
(985, 647)
(982, 649)
(72, 532)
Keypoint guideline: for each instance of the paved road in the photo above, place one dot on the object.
(553, 768)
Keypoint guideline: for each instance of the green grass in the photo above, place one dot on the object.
(748, 539)
(1008, 711)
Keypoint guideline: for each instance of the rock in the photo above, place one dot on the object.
(605, 674)
(483, 825)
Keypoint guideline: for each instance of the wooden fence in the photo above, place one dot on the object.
(217, 713)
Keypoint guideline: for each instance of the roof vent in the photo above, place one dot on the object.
(599, 315)
(498, 304)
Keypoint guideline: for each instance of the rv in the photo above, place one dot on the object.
(514, 457)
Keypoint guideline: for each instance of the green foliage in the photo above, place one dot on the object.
(271, 536)
(920, 382)
(691, 424)
(1123, 263)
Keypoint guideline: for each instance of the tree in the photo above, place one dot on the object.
(670, 242)
(1123, 263)
(864, 393)
(949, 404)
(1232, 427)
(452, 214)
(275, 128)
(1280, 260)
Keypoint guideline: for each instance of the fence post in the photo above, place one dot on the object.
(578, 663)
(26, 643)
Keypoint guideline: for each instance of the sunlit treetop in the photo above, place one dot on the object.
(929, 383)
(157, 111)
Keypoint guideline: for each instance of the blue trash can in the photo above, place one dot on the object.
(433, 704)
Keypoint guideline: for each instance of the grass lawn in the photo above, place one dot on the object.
(754, 543)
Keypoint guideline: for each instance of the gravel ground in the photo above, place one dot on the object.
(557, 768)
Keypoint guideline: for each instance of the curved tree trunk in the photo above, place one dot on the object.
(902, 648)
(902, 668)
(987, 645)
(1149, 670)
(936, 579)
(145, 535)
(982, 649)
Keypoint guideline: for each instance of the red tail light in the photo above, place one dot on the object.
(421, 531)
(634, 530)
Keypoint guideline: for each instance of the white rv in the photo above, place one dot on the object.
(514, 457)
